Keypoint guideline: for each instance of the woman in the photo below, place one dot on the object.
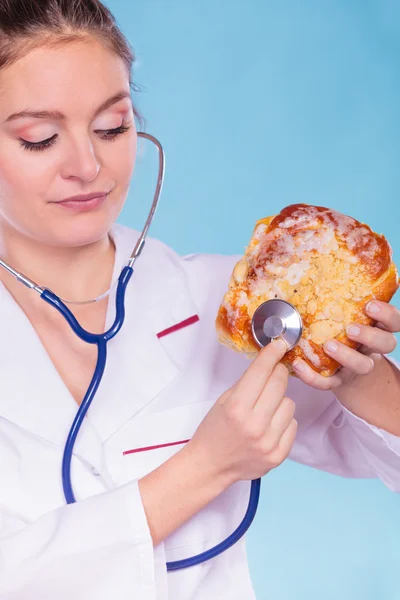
(67, 152)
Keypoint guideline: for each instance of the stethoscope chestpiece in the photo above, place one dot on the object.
(277, 319)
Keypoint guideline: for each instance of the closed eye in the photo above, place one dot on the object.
(105, 134)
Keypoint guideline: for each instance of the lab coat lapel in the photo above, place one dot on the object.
(32, 393)
(140, 364)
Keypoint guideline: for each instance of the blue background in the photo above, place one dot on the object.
(260, 104)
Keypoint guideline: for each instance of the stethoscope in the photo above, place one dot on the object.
(272, 319)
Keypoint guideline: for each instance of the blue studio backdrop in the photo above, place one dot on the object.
(260, 104)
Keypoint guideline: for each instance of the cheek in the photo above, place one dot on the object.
(121, 159)
(22, 178)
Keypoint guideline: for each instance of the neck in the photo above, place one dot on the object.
(78, 273)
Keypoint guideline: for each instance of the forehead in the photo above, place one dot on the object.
(74, 77)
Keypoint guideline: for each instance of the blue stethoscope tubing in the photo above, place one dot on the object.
(101, 340)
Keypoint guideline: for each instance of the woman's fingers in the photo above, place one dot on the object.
(283, 416)
(286, 441)
(272, 394)
(274, 429)
(248, 389)
(387, 315)
(372, 339)
(278, 450)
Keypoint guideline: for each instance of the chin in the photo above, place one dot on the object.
(83, 228)
(75, 232)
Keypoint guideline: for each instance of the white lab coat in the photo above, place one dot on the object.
(155, 390)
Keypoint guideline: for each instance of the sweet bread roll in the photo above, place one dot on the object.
(326, 264)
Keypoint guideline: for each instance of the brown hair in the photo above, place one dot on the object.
(29, 24)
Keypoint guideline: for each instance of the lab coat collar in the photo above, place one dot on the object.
(139, 367)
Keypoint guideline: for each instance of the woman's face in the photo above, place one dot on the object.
(45, 159)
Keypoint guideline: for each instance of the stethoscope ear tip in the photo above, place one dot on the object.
(277, 319)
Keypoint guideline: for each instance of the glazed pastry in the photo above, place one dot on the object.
(326, 264)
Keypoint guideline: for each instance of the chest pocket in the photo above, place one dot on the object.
(146, 442)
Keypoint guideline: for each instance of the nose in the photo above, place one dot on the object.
(81, 162)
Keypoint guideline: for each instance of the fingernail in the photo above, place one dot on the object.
(280, 344)
(353, 330)
(331, 346)
(373, 308)
(299, 366)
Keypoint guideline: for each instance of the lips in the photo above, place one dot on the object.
(83, 197)
(83, 202)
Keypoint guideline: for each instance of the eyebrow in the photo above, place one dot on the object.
(55, 115)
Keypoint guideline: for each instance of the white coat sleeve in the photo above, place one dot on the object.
(97, 548)
(329, 436)
(333, 439)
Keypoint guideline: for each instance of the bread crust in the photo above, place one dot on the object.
(326, 264)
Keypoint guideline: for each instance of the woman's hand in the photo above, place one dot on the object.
(250, 429)
(375, 341)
